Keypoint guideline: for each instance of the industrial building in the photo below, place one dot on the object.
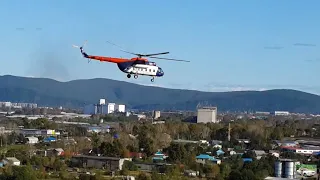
(104, 108)
(207, 115)
(286, 168)
(32, 140)
(281, 113)
(156, 114)
(38, 132)
(109, 163)
(18, 105)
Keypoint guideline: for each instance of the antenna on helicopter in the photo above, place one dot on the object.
(85, 55)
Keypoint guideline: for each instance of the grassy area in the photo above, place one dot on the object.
(134, 173)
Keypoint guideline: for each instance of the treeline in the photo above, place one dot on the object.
(148, 138)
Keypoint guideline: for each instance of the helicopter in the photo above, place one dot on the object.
(137, 66)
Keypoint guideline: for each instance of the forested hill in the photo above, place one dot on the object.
(77, 93)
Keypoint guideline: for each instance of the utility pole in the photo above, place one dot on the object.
(229, 132)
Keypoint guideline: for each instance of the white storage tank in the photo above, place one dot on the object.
(289, 169)
(278, 169)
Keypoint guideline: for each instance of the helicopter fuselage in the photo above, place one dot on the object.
(141, 68)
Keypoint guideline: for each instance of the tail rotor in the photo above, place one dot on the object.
(75, 46)
(84, 54)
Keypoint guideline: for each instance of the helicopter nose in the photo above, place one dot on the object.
(160, 73)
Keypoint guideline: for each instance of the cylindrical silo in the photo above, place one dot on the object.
(278, 169)
(289, 169)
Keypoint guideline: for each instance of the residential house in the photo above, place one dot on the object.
(32, 140)
(204, 142)
(182, 141)
(159, 156)
(191, 173)
(245, 160)
(278, 143)
(11, 161)
(274, 153)
(150, 167)
(217, 146)
(232, 153)
(58, 151)
(204, 158)
(220, 152)
(245, 141)
(301, 150)
(99, 162)
(259, 153)
(49, 139)
(214, 142)
(136, 155)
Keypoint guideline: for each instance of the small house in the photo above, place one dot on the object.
(49, 139)
(220, 152)
(259, 153)
(59, 151)
(159, 156)
(203, 158)
(11, 161)
(232, 153)
(136, 155)
(32, 140)
(245, 160)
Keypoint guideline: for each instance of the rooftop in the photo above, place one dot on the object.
(96, 157)
(13, 159)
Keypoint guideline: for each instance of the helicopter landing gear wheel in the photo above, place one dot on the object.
(128, 75)
(135, 76)
(152, 80)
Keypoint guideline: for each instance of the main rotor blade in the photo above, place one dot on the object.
(148, 55)
(121, 49)
(169, 59)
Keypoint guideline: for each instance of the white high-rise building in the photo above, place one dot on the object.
(156, 114)
(207, 115)
(111, 107)
(102, 101)
(121, 108)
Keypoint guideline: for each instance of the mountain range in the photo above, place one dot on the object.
(78, 93)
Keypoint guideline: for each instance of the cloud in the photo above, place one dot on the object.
(273, 47)
(225, 88)
(153, 85)
(305, 44)
(313, 60)
(22, 29)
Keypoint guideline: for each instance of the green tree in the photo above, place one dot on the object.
(248, 174)
(235, 175)
(24, 173)
(130, 166)
(225, 170)
(143, 176)
(145, 142)
(176, 152)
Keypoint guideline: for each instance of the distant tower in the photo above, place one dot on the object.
(207, 115)
(229, 133)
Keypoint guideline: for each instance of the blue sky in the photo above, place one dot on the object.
(224, 40)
